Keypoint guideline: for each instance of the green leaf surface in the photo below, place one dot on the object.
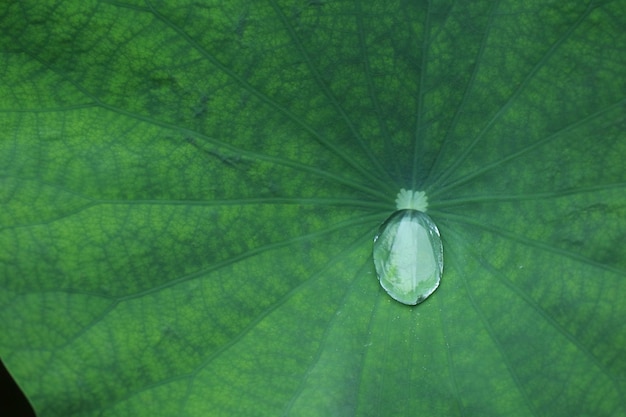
(189, 191)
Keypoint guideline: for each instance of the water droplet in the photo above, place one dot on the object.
(408, 253)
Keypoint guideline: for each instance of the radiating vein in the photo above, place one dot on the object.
(449, 358)
(500, 198)
(531, 242)
(357, 244)
(370, 80)
(468, 88)
(494, 338)
(370, 332)
(330, 96)
(115, 301)
(418, 140)
(530, 147)
(536, 307)
(359, 220)
(271, 309)
(512, 99)
(268, 100)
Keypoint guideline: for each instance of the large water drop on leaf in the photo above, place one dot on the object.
(408, 253)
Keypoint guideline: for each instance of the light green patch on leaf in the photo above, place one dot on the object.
(190, 190)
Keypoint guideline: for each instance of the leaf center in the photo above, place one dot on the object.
(411, 200)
